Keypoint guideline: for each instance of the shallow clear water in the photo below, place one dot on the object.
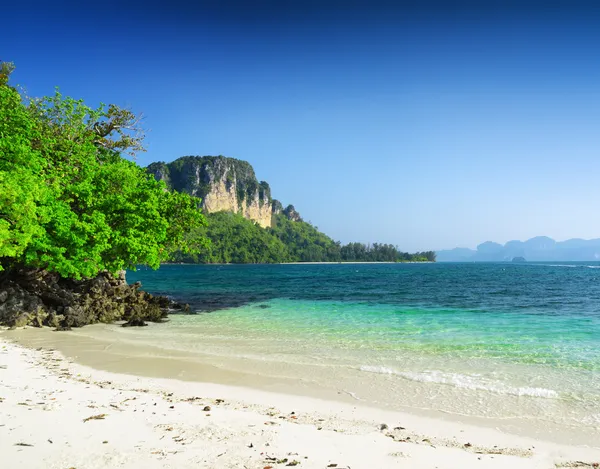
(515, 341)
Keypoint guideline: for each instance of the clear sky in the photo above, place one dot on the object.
(429, 125)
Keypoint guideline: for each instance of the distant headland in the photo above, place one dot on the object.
(540, 248)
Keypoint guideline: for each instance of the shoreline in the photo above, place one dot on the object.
(39, 386)
(111, 348)
(311, 263)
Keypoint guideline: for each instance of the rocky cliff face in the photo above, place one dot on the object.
(222, 184)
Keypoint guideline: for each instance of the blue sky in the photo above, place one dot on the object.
(430, 126)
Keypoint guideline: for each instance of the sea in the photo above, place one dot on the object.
(513, 345)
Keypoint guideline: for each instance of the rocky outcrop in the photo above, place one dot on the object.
(40, 298)
(223, 184)
(277, 207)
(291, 213)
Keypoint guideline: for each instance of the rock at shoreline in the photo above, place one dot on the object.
(41, 298)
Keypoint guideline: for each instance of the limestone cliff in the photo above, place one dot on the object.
(222, 184)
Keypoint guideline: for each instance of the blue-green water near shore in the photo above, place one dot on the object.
(511, 341)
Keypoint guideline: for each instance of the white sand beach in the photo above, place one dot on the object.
(55, 413)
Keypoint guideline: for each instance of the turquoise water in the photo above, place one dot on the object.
(501, 340)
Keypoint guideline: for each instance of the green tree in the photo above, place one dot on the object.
(71, 203)
(22, 190)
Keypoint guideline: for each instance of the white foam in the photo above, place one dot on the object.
(571, 265)
(464, 381)
(353, 395)
(378, 369)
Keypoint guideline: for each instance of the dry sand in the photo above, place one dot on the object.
(57, 414)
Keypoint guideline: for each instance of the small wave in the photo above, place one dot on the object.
(353, 395)
(464, 382)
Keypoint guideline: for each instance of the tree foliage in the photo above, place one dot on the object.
(378, 252)
(237, 240)
(69, 201)
(304, 241)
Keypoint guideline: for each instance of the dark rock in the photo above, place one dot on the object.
(40, 298)
(135, 322)
(291, 213)
(184, 308)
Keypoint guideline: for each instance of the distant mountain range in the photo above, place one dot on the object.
(540, 248)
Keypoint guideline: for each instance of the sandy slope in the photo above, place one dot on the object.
(45, 402)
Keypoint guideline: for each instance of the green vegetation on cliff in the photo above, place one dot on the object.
(305, 242)
(237, 240)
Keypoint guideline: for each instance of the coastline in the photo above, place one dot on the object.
(310, 263)
(157, 422)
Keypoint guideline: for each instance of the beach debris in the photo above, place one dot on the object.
(50, 441)
(192, 399)
(383, 426)
(293, 463)
(206, 408)
(22, 444)
(399, 428)
(220, 401)
(399, 454)
(105, 442)
(576, 464)
(250, 445)
(94, 417)
(332, 465)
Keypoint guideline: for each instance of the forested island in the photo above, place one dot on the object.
(76, 211)
(247, 225)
